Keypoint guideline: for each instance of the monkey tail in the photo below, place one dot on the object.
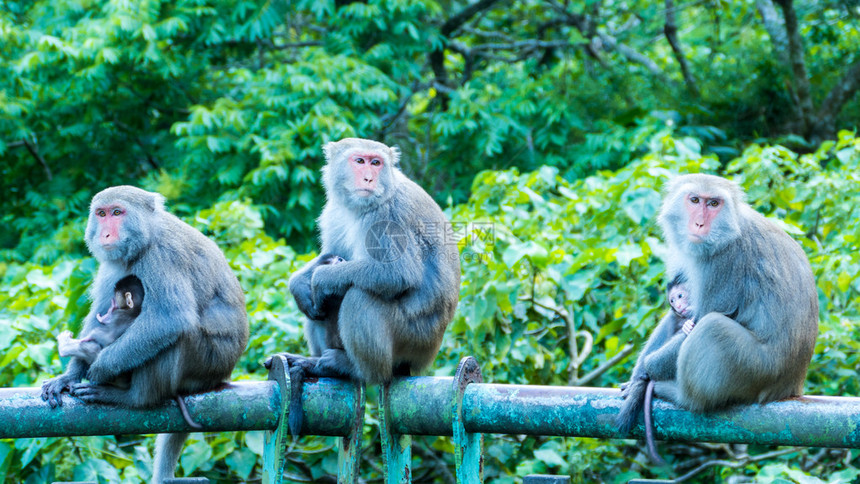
(187, 416)
(649, 426)
(631, 408)
(296, 415)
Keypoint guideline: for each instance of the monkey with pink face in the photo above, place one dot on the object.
(186, 338)
(387, 284)
(755, 312)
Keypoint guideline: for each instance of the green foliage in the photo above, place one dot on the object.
(219, 100)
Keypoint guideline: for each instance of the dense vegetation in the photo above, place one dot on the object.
(545, 128)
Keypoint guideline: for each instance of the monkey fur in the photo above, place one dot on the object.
(399, 282)
(128, 297)
(125, 306)
(755, 298)
(188, 336)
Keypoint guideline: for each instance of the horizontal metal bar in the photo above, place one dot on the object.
(590, 412)
(417, 408)
(328, 406)
(421, 406)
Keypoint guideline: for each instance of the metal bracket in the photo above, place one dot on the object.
(275, 443)
(396, 448)
(349, 447)
(468, 456)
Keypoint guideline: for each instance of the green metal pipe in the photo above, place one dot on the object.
(422, 406)
(418, 408)
(590, 412)
(329, 407)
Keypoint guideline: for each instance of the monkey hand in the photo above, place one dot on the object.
(688, 326)
(305, 302)
(53, 388)
(323, 285)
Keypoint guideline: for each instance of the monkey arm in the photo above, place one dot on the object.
(170, 310)
(384, 279)
(300, 288)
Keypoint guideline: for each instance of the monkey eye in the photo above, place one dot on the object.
(375, 162)
(100, 213)
(116, 212)
(359, 160)
(713, 203)
(694, 199)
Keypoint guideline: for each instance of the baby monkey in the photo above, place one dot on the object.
(658, 361)
(124, 308)
(682, 307)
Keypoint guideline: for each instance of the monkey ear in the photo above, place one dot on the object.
(329, 151)
(156, 202)
(395, 155)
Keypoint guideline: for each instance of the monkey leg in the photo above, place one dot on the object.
(86, 350)
(168, 448)
(634, 399)
(300, 367)
(98, 393)
(722, 362)
(321, 335)
(365, 327)
(667, 390)
(662, 363)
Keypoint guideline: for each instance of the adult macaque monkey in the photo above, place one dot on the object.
(189, 334)
(756, 304)
(399, 281)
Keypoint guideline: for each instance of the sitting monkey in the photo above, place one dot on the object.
(124, 308)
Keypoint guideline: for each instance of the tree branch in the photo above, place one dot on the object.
(625, 351)
(842, 92)
(798, 64)
(34, 152)
(437, 57)
(455, 21)
(671, 32)
(775, 29)
(585, 25)
(608, 41)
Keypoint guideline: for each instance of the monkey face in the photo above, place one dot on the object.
(366, 168)
(109, 220)
(679, 299)
(702, 210)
